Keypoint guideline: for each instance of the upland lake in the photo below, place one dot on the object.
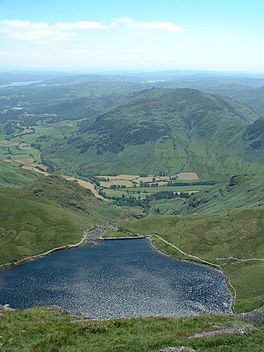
(116, 278)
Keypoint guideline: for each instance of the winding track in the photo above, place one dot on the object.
(204, 262)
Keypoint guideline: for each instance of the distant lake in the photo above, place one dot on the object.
(117, 278)
(19, 84)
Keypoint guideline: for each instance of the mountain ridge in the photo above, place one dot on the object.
(162, 131)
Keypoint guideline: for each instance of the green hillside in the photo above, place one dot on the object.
(254, 135)
(49, 213)
(14, 176)
(239, 192)
(163, 131)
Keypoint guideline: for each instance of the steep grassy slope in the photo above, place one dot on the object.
(239, 192)
(49, 213)
(40, 330)
(254, 136)
(11, 176)
(163, 131)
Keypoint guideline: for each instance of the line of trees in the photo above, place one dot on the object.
(145, 202)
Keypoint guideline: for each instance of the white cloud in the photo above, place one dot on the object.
(156, 25)
(80, 25)
(43, 32)
(28, 31)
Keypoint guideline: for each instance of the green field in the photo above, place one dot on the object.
(144, 197)
(50, 130)
(15, 153)
(143, 191)
(20, 147)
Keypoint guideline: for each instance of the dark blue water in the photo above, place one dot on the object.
(124, 278)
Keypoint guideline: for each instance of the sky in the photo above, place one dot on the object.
(141, 35)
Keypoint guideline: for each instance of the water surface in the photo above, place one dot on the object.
(118, 278)
(19, 84)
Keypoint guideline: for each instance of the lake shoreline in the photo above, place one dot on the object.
(98, 230)
(44, 254)
(100, 237)
(176, 305)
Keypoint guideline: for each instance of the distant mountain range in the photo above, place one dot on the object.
(253, 97)
(159, 131)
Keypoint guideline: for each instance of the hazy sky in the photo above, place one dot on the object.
(132, 34)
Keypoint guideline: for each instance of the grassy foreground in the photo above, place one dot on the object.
(41, 330)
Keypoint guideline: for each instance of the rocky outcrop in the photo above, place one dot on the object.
(5, 308)
(96, 232)
(235, 329)
(256, 317)
(177, 349)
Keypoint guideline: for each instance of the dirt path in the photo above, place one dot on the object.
(187, 254)
(40, 169)
(193, 257)
(86, 185)
(242, 260)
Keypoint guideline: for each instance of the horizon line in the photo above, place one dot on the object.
(127, 71)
